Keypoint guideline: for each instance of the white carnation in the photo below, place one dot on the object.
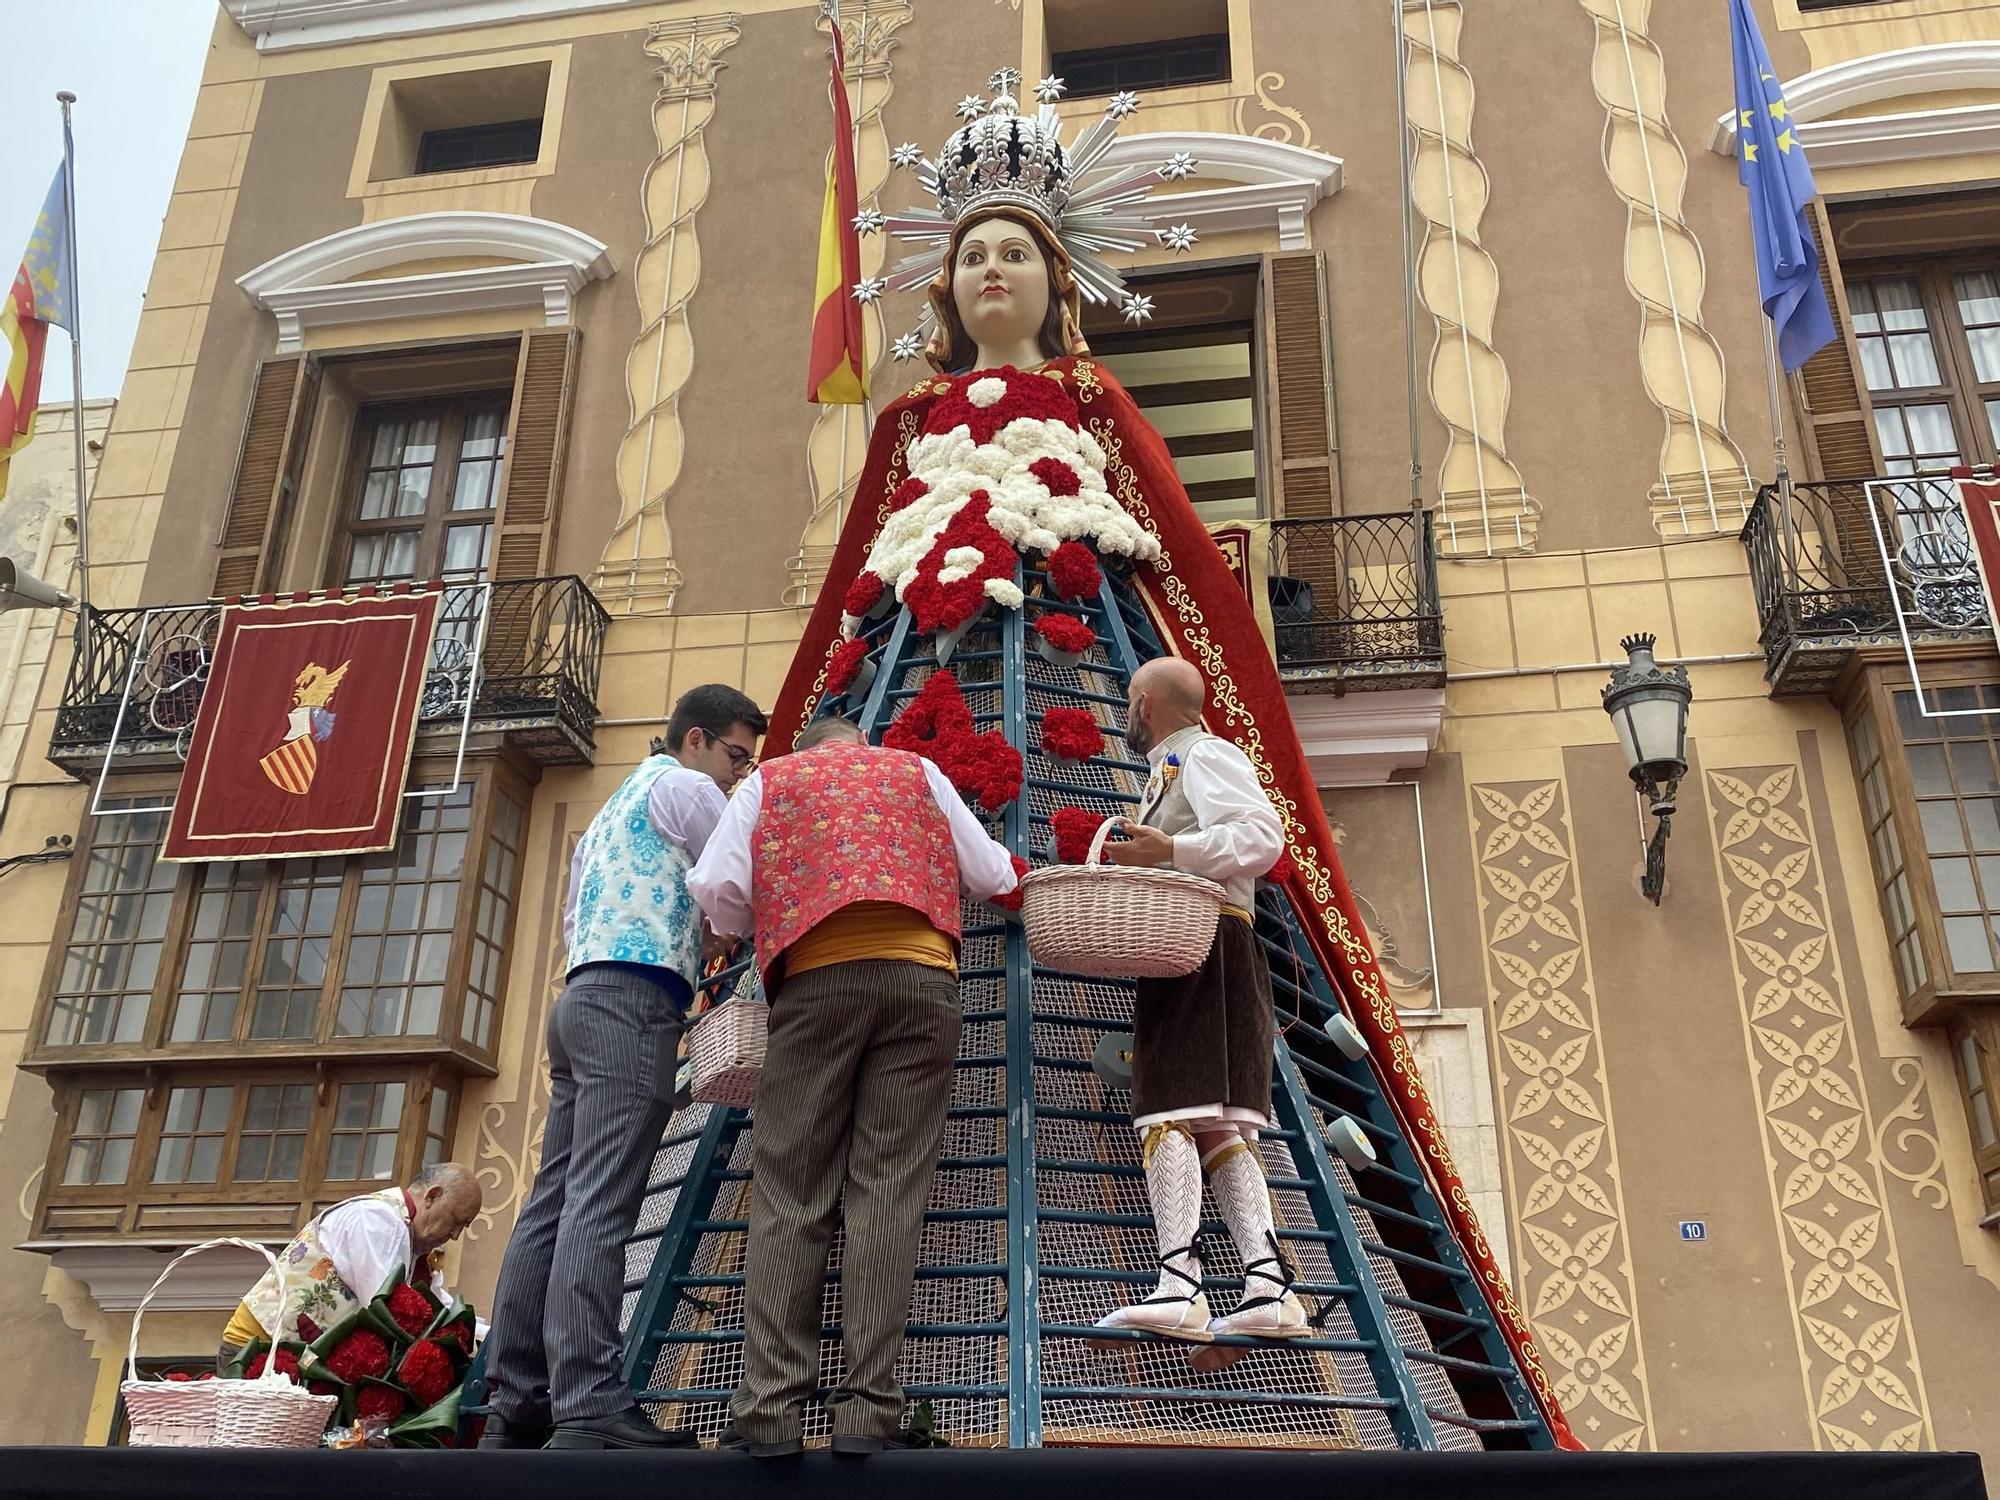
(986, 391)
(1004, 592)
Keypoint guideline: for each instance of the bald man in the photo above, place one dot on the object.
(1202, 1043)
(350, 1254)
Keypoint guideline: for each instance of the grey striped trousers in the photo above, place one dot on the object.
(851, 1106)
(554, 1349)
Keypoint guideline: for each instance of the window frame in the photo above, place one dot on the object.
(487, 779)
(1984, 1035)
(1961, 392)
(493, 129)
(1064, 62)
(452, 411)
(1873, 695)
(311, 1190)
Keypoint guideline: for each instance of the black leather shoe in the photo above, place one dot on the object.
(733, 1441)
(622, 1429)
(501, 1433)
(859, 1445)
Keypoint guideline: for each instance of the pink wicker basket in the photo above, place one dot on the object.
(267, 1412)
(726, 1053)
(1118, 922)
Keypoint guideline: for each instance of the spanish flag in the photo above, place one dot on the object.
(839, 372)
(41, 295)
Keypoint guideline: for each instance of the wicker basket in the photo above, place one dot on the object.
(726, 1052)
(1117, 922)
(267, 1412)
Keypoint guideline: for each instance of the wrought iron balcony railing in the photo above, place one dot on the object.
(1354, 603)
(1835, 565)
(527, 653)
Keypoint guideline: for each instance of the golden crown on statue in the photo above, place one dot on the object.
(1001, 158)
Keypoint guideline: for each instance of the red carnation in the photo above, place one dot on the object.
(322, 1387)
(937, 605)
(1071, 733)
(845, 666)
(1074, 827)
(452, 1339)
(1065, 633)
(1058, 474)
(863, 594)
(1033, 396)
(288, 1364)
(411, 1309)
(1073, 570)
(361, 1354)
(1012, 900)
(1283, 870)
(937, 724)
(380, 1401)
(182, 1376)
(427, 1372)
(908, 493)
(309, 1331)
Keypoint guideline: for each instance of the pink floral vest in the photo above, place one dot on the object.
(842, 823)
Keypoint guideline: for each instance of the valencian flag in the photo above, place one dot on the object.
(838, 375)
(303, 739)
(41, 295)
(1981, 499)
(1771, 163)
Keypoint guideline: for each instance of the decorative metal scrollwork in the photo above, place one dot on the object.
(174, 674)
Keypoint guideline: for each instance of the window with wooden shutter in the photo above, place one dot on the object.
(262, 495)
(531, 505)
(1839, 421)
(1305, 479)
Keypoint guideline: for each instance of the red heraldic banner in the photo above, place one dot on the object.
(303, 739)
(1982, 517)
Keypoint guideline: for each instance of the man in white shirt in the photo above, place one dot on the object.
(345, 1258)
(636, 945)
(848, 862)
(1202, 1043)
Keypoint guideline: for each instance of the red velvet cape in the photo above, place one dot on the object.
(1198, 609)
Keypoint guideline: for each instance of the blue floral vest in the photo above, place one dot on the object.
(632, 901)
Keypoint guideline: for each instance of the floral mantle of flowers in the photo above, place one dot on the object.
(939, 725)
(1003, 467)
(397, 1364)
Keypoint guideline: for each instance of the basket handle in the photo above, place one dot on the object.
(1095, 858)
(138, 1316)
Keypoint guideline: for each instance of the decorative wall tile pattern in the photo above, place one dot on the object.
(1572, 1250)
(1857, 1348)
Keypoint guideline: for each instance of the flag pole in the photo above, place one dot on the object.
(1409, 259)
(1779, 455)
(66, 99)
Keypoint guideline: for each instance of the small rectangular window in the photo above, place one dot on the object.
(467, 148)
(276, 1120)
(437, 1138)
(117, 929)
(366, 1119)
(192, 1135)
(100, 1143)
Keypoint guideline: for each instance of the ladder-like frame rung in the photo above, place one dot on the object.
(1220, 1340)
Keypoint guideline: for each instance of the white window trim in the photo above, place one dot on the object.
(323, 283)
(1274, 186)
(1912, 135)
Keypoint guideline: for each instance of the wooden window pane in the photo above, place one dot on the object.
(276, 1120)
(1978, 296)
(1916, 437)
(104, 984)
(1892, 328)
(100, 1143)
(367, 1117)
(296, 949)
(191, 1135)
(436, 1143)
(1978, 1096)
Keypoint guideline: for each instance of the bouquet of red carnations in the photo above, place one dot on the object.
(397, 1363)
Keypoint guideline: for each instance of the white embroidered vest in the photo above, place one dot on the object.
(306, 1281)
(632, 901)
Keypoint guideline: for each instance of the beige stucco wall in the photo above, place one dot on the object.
(1665, 1112)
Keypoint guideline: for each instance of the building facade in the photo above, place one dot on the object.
(518, 293)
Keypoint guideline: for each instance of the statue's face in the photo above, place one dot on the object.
(1000, 283)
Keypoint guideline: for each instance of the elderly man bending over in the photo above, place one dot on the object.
(347, 1256)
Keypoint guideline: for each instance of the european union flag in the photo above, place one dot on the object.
(1772, 164)
(47, 262)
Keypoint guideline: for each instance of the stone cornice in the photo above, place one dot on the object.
(1944, 67)
(284, 25)
(1365, 739)
(326, 282)
(1274, 186)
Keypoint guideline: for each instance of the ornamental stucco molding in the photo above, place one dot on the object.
(837, 447)
(326, 282)
(637, 574)
(1904, 135)
(1485, 509)
(1704, 486)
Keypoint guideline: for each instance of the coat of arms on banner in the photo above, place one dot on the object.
(303, 739)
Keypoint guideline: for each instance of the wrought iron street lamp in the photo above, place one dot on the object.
(1648, 704)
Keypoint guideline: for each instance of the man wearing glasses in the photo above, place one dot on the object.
(636, 943)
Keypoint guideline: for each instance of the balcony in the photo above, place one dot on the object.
(1354, 603)
(1852, 566)
(527, 653)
